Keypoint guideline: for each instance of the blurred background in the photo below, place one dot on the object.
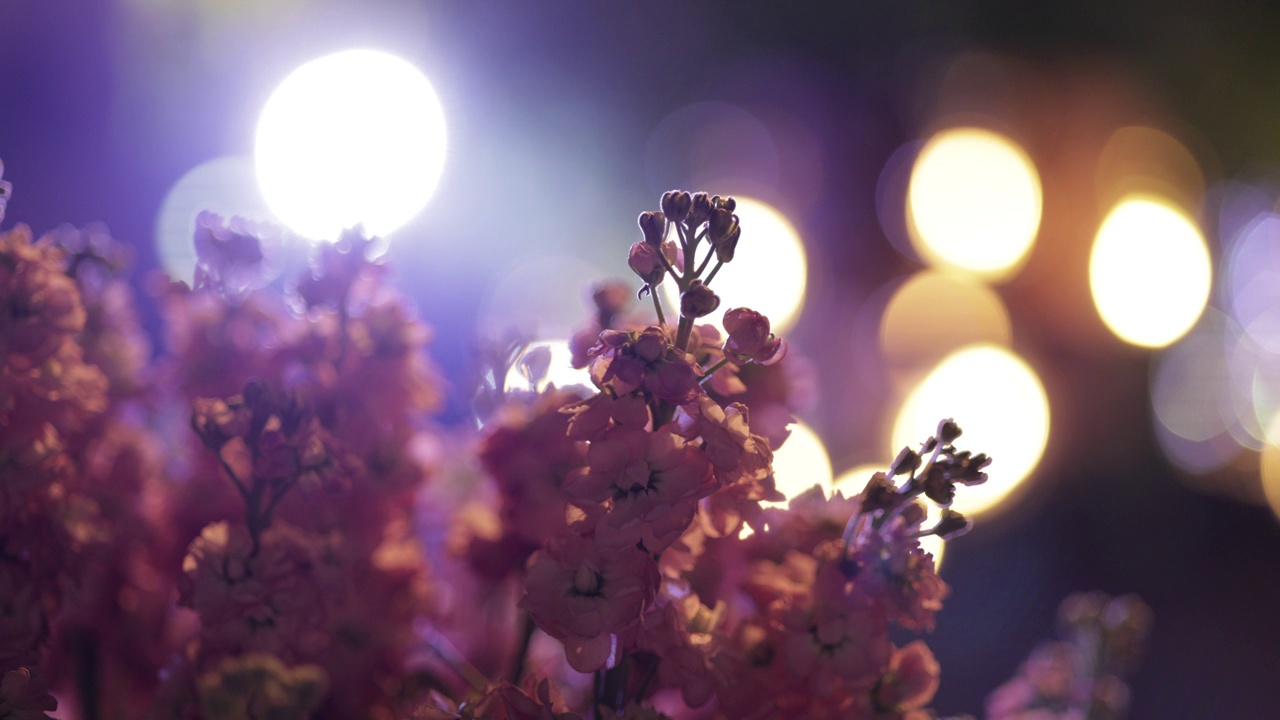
(1056, 222)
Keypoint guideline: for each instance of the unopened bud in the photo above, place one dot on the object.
(698, 301)
(908, 462)
(699, 209)
(676, 205)
(951, 525)
(654, 226)
(948, 431)
(645, 262)
(937, 486)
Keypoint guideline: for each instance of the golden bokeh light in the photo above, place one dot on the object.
(974, 202)
(768, 272)
(1149, 272)
(934, 312)
(801, 463)
(1270, 467)
(999, 402)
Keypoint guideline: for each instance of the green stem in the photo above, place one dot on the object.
(714, 270)
(711, 370)
(705, 262)
(657, 306)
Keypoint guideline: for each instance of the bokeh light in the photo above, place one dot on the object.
(357, 137)
(223, 185)
(768, 272)
(933, 313)
(801, 463)
(538, 297)
(1251, 274)
(999, 402)
(974, 202)
(1149, 272)
(1191, 382)
(1270, 466)
(560, 370)
(1144, 160)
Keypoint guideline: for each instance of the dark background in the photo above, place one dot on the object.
(104, 104)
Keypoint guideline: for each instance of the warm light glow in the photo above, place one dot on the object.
(935, 312)
(1149, 272)
(767, 274)
(998, 401)
(1270, 462)
(974, 202)
(801, 463)
(354, 137)
(560, 371)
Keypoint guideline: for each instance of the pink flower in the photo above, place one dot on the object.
(265, 602)
(652, 481)
(586, 601)
(591, 417)
(911, 680)
(750, 339)
(624, 362)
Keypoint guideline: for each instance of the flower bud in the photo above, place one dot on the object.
(750, 339)
(698, 301)
(699, 209)
(650, 344)
(654, 226)
(937, 486)
(948, 431)
(907, 463)
(645, 262)
(676, 205)
(723, 232)
(951, 525)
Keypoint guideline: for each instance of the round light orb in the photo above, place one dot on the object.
(1149, 271)
(999, 403)
(357, 137)
(768, 272)
(974, 202)
(223, 185)
(559, 371)
(934, 312)
(801, 463)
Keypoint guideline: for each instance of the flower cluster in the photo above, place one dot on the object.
(1082, 675)
(651, 560)
(258, 519)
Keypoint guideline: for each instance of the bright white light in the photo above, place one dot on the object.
(1149, 272)
(974, 202)
(767, 274)
(559, 371)
(354, 137)
(999, 403)
(801, 463)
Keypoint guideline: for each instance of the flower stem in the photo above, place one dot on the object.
(712, 370)
(714, 270)
(657, 306)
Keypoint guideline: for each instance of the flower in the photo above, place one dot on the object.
(750, 339)
(589, 602)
